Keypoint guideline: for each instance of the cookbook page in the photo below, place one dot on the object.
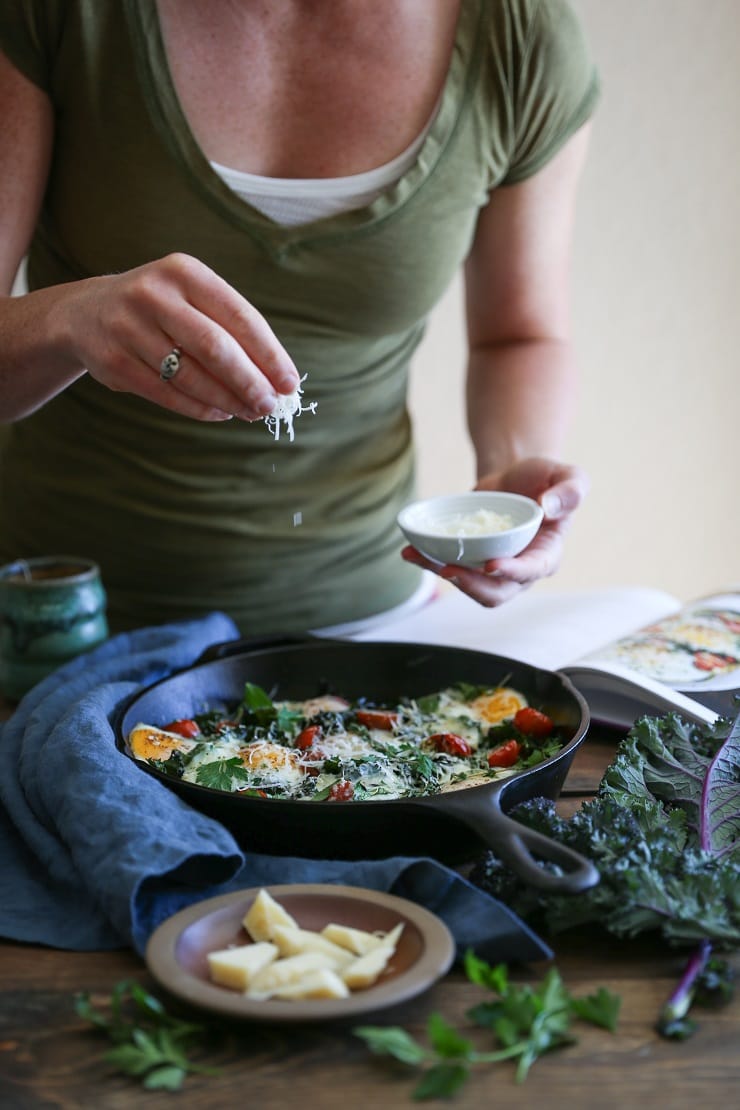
(545, 629)
(617, 696)
(695, 650)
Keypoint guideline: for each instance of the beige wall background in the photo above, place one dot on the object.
(656, 282)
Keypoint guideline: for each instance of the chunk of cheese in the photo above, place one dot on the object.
(363, 971)
(289, 970)
(288, 962)
(264, 914)
(235, 967)
(356, 941)
(292, 941)
(324, 983)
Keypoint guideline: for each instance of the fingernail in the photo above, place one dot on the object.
(551, 504)
(288, 383)
(218, 414)
(265, 404)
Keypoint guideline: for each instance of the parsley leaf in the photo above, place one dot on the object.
(441, 1081)
(395, 1042)
(525, 1021)
(221, 774)
(601, 1008)
(148, 1043)
(445, 1040)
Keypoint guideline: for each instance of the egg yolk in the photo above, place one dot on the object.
(499, 706)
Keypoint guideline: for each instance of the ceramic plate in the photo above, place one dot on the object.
(177, 951)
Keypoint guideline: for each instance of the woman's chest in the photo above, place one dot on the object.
(296, 89)
(130, 183)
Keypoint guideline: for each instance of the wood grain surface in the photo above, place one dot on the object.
(50, 1058)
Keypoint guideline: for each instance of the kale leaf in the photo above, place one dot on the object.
(663, 831)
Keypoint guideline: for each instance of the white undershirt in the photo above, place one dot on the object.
(291, 201)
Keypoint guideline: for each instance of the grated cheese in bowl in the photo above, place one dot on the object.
(468, 529)
(482, 522)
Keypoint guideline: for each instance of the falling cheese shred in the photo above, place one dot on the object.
(287, 408)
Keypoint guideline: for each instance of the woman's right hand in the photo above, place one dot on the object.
(120, 327)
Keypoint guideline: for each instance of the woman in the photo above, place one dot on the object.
(245, 194)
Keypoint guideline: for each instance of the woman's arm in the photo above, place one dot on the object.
(118, 328)
(26, 137)
(521, 373)
(25, 152)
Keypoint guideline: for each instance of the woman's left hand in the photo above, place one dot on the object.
(559, 489)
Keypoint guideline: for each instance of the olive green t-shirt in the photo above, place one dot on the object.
(185, 517)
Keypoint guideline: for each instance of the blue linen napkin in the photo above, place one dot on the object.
(96, 854)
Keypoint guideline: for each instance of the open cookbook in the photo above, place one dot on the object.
(630, 651)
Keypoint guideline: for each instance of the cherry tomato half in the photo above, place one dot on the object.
(377, 718)
(532, 722)
(505, 755)
(185, 727)
(711, 661)
(451, 743)
(306, 737)
(341, 791)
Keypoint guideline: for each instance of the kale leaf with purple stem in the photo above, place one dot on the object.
(664, 833)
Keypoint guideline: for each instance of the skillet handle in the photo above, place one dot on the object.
(254, 643)
(518, 845)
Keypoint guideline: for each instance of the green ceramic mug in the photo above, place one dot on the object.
(51, 609)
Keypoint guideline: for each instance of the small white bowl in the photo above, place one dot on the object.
(445, 530)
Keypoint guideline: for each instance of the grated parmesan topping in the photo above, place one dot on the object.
(380, 763)
(478, 523)
(287, 407)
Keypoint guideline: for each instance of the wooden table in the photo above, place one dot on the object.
(51, 1058)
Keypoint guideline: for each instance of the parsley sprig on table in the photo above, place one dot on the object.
(526, 1021)
(149, 1043)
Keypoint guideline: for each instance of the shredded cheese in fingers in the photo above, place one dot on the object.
(287, 407)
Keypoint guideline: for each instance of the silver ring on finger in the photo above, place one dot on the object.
(170, 365)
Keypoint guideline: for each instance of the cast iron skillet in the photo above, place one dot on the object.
(449, 826)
